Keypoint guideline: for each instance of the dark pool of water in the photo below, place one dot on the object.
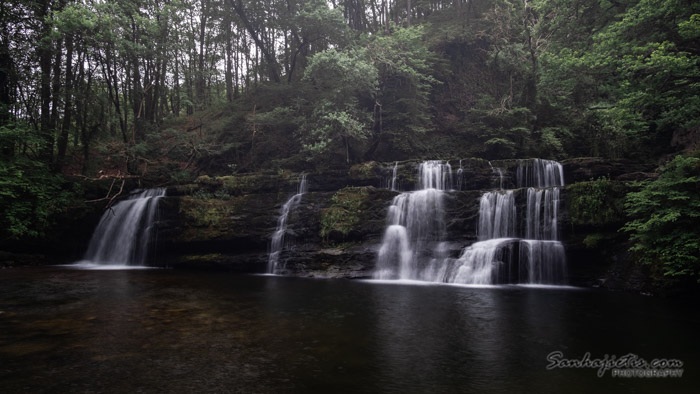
(170, 331)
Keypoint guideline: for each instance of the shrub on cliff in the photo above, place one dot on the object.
(665, 213)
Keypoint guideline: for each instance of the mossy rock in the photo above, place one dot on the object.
(370, 169)
(354, 213)
(239, 184)
(596, 203)
(206, 219)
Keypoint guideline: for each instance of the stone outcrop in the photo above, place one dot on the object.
(226, 223)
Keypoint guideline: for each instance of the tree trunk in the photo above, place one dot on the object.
(408, 13)
(228, 57)
(273, 69)
(68, 106)
(44, 52)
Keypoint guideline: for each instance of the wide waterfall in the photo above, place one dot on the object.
(415, 226)
(277, 243)
(124, 232)
(540, 258)
(539, 173)
(512, 247)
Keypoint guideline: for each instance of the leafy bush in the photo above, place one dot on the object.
(665, 215)
(31, 197)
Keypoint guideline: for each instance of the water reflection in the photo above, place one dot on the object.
(165, 330)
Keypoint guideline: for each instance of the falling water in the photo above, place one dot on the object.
(539, 173)
(393, 176)
(497, 170)
(542, 214)
(413, 246)
(460, 173)
(277, 243)
(124, 232)
(540, 258)
(479, 263)
(415, 225)
(497, 215)
(545, 261)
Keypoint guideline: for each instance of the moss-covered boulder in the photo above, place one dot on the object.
(597, 203)
(355, 214)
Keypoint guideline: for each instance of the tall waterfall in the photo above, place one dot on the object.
(277, 243)
(497, 215)
(123, 235)
(415, 226)
(540, 258)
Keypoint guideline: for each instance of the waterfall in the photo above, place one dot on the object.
(497, 170)
(542, 211)
(415, 225)
(479, 263)
(497, 215)
(544, 261)
(413, 245)
(277, 243)
(460, 173)
(540, 257)
(123, 235)
(539, 173)
(393, 176)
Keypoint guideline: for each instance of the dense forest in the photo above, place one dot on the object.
(164, 91)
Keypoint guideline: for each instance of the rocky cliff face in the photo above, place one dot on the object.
(227, 222)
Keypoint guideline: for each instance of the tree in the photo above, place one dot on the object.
(665, 213)
(340, 79)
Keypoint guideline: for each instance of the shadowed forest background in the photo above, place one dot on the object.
(162, 92)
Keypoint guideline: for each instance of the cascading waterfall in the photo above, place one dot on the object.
(540, 258)
(539, 173)
(476, 264)
(545, 261)
(277, 243)
(393, 176)
(415, 226)
(497, 215)
(123, 235)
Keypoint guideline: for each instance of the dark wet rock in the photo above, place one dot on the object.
(226, 223)
(587, 168)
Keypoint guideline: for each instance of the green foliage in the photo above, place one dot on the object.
(665, 215)
(340, 80)
(31, 197)
(405, 66)
(593, 240)
(343, 215)
(208, 213)
(596, 202)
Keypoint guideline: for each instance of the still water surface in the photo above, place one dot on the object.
(70, 330)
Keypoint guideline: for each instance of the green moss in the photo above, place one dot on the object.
(206, 218)
(205, 212)
(343, 214)
(202, 257)
(365, 170)
(596, 202)
(234, 185)
(592, 241)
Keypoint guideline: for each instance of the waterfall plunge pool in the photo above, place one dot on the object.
(73, 330)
